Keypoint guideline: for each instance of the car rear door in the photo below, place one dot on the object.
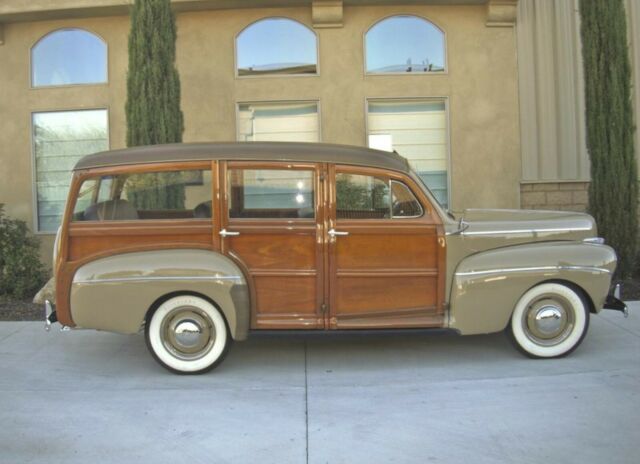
(272, 225)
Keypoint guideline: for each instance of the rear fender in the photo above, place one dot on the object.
(115, 293)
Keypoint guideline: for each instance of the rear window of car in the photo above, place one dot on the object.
(152, 195)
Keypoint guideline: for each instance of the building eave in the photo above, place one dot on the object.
(38, 10)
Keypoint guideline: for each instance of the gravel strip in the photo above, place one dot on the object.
(23, 310)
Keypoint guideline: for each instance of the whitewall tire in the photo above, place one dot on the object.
(187, 335)
(549, 321)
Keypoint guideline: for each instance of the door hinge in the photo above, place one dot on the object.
(323, 308)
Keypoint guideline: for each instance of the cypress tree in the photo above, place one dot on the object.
(153, 98)
(613, 192)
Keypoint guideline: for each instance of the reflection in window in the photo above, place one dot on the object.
(417, 130)
(270, 193)
(404, 44)
(278, 122)
(60, 139)
(149, 195)
(403, 203)
(69, 56)
(276, 46)
(362, 197)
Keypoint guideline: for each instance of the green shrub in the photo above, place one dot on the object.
(21, 272)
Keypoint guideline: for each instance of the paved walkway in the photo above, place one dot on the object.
(90, 397)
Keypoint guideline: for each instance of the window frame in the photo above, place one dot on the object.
(272, 166)
(404, 184)
(275, 102)
(82, 176)
(389, 182)
(82, 84)
(34, 171)
(270, 76)
(445, 39)
(428, 204)
(119, 186)
(434, 98)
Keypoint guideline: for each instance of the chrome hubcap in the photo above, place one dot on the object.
(188, 333)
(548, 321)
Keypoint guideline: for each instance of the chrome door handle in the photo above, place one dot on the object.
(333, 233)
(228, 233)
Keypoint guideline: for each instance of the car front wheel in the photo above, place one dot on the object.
(187, 334)
(549, 321)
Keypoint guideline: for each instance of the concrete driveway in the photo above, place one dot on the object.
(90, 397)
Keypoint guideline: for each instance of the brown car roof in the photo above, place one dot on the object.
(250, 151)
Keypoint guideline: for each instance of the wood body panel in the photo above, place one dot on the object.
(384, 292)
(382, 247)
(272, 250)
(86, 242)
(286, 294)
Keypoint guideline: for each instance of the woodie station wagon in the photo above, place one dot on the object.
(202, 244)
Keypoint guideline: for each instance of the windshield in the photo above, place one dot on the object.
(444, 208)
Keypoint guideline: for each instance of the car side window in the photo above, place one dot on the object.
(362, 197)
(374, 197)
(152, 195)
(270, 193)
(404, 204)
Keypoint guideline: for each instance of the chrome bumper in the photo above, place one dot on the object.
(613, 301)
(49, 315)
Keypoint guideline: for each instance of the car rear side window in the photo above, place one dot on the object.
(271, 193)
(151, 195)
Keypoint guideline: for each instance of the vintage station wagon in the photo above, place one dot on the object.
(202, 244)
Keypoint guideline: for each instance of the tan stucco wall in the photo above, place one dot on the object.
(480, 86)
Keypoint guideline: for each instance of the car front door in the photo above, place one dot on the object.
(386, 252)
(272, 225)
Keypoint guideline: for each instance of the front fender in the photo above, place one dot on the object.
(115, 293)
(486, 286)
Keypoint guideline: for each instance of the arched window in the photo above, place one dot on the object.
(404, 44)
(67, 57)
(275, 46)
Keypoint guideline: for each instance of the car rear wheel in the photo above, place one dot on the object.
(187, 334)
(549, 321)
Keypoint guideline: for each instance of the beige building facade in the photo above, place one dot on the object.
(491, 113)
(555, 162)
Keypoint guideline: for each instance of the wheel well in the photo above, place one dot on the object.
(156, 304)
(576, 288)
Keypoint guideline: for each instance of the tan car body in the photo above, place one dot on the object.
(492, 257)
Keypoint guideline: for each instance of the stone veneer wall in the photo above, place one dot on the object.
(564, 196)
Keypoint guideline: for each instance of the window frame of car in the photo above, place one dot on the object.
(228, 166)
(429, 211)
(131, 169)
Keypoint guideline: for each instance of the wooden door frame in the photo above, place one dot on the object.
(275, 226)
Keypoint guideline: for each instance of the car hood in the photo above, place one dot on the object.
(526, 225)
